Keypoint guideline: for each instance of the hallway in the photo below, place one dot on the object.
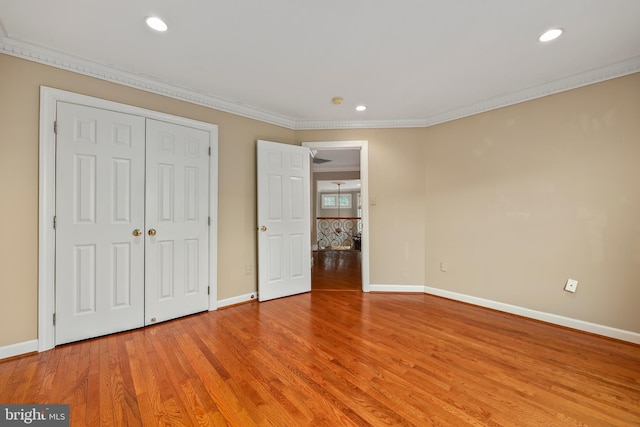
(336, 270)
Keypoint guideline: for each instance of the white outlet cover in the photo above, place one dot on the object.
(571, 285)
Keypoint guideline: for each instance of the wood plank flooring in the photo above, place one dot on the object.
(336, 270)
(338, 359)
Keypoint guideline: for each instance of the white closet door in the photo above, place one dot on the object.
(99, 207)
(177, 244)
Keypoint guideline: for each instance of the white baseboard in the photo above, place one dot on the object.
(396, 288)
(253, 296)
(568, 322)
(629, 336)
(18, 349)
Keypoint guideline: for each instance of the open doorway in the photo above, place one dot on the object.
(338, 230)
(336, 270)
(339, 215)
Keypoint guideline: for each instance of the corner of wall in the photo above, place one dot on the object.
(580, 325)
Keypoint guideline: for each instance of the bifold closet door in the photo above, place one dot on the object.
(177, 218)
(99, 222)
(132, 218)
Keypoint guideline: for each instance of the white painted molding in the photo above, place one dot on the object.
(213, 217)
(60, 60)
(56, 59)
(18, 349)
(253, 296)
(397, 288)
(363, 124)
(623, 68)
(555, 319)
(46, 212)
(619, 69)
(322, 169)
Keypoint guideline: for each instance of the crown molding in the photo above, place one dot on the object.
(328, 169)
(63, 61)
(362, 124)
(619, 69)
(608, 72)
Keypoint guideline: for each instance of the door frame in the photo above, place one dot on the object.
(363, 146)
(49, 97)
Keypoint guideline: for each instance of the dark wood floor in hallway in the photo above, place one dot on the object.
(338, 359)
(336, 270)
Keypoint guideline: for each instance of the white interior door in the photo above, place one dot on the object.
(177, 209)
(99, 206)
(122, 263)
(284, 220)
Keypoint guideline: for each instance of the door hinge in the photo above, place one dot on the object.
(54, 319)
(55, 222)
(208, 290)
(55, 126)
(209, 221)
(209, 151)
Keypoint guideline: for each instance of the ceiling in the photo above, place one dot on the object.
(342, 160)
(332, 186)
(412, 63)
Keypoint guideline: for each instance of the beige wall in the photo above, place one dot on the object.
(522, 198)
(515, 200)
(396, 181)
(20, 82)
(315, 196)
(334, 176)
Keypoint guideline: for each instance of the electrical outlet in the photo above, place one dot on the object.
(571, 285)
(443, 267)
(247, 269)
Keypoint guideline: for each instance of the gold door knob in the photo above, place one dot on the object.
(152, 232)
(263, 228)
(137, 232)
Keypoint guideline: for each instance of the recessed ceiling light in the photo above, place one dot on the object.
(155, 23)
(549, 35)
(361, 107)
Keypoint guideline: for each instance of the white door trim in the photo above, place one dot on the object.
(363, 146)
(46, 211)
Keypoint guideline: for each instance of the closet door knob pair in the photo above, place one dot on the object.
(137, 232)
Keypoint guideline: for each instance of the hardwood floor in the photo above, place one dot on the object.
(334, 359)
(336, 270)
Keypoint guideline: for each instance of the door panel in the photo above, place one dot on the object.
(177, 213)
(108, 277)
(284, 221)
(99, 203)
